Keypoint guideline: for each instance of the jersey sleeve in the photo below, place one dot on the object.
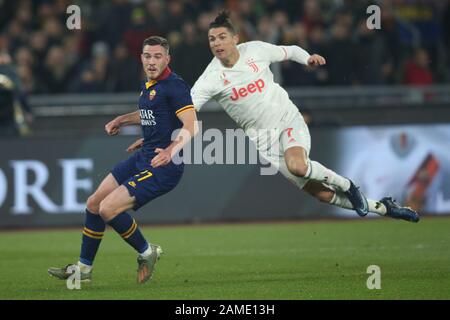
(269, 51)
(200, 93)
(180, 98)
(275, 53)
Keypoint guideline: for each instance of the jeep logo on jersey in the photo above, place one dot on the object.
(258, 85)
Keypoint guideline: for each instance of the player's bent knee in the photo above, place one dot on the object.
(106, 211)
(92, 204)
(297, 168)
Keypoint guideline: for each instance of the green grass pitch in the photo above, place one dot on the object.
(298, 260)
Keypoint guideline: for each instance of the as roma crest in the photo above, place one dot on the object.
(152, 95)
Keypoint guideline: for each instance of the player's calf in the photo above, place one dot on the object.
(319, 191)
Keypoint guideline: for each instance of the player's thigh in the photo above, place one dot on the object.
(295, 145)
(116, 202)
(296, 134)
(118, 175)
(108, 185)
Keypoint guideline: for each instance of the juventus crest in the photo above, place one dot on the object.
(252, 65)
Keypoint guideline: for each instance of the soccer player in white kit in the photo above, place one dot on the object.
(240, 80)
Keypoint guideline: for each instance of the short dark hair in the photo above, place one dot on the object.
(156, 41)
(223, 20)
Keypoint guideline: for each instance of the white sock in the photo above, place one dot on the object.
(341, 200)
(84, 268)
(147, 252)
(376, 207)
(318, 172)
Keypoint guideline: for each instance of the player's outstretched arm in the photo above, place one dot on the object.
(113, 127)
(293, 53)
(187, 132)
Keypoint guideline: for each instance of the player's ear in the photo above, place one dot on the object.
(236, 38)
(168, 59)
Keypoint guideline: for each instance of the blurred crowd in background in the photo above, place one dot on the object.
(412, 47)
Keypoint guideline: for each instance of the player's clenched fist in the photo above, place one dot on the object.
(112, 127)
(316, 60)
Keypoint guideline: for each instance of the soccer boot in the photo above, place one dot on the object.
(64, 273)
(146, 265)
(357, 199)
(395, 211)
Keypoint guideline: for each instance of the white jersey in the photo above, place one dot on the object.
(247, 91)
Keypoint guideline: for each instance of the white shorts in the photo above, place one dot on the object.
(294, 133)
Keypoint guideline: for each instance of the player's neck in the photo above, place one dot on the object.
(164, 74)
(231, 60)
